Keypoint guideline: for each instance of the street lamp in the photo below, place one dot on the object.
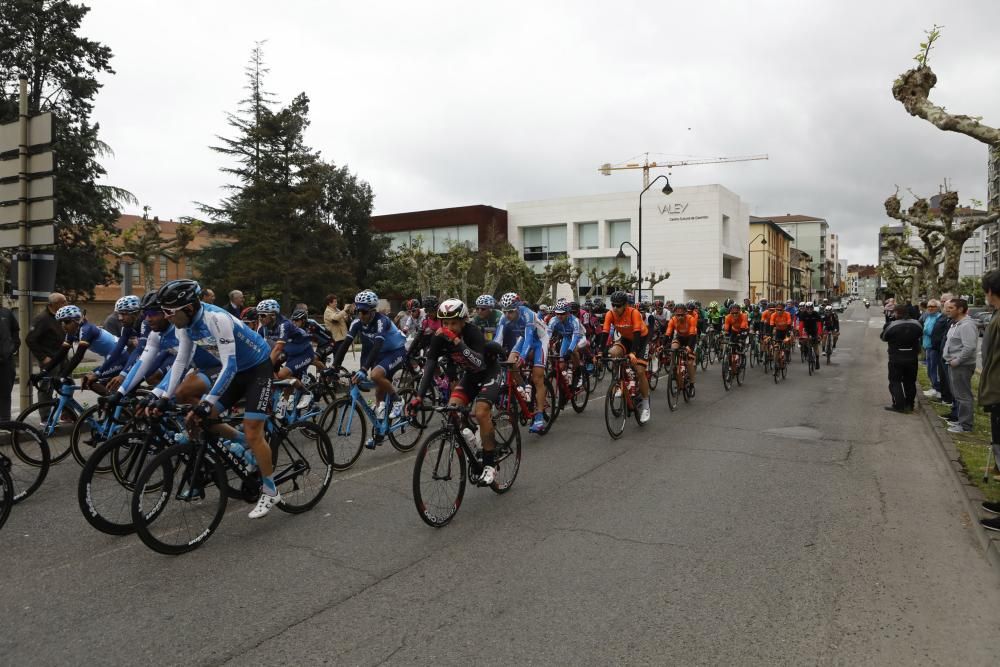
(666, 190)
(638, 258)
(763, 241)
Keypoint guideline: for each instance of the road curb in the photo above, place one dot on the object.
(969, 491)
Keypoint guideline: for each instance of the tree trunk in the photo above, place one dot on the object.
(952, 260)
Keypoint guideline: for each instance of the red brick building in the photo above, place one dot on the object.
(476, 225)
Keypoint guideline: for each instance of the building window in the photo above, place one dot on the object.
(727, 267)
(586, 236)
(619, 231)
(136, 278)
(725, 229)
(544, 243)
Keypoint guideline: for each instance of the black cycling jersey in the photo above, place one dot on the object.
(470, 352)
(810, 322)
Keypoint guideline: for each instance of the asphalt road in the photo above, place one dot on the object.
(773, 524)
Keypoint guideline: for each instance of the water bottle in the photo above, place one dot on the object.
(249, 460)
(470, 437)
(180, 439)
(522, 393)
(279, 410)
(235, 448)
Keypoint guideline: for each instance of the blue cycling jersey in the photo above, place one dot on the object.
(239, 348)
(119, 355)
(381, 328)
(98, 340)
(297, 342)
(522, 334)
(571, 331)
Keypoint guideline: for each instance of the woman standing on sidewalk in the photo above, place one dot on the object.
(989, 384)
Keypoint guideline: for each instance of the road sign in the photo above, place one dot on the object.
(41, 273)
(38, 188)
(38, 211)
(42, 163)
(38, 234)
(39, 132)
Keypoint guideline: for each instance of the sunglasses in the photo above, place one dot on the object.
(511, 310)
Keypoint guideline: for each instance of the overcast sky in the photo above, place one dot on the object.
(441, 104)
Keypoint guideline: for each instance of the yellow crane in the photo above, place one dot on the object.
(646, 165)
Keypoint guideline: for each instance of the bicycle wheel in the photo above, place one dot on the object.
(614, 410)
(57, 434)
(439, 478)
(703, 359)
(741, 375)
(303, 465)
(551, 410)
(28, 453)
(346, 428)
(654, 372)
(188, 505)
(752, 356)
(6, 492)
(829, 349)
(106, 500)
(406, 433)
(93, 428)
(508, 451)
(580, 396)
(673, 392)
(809, 355)
(727, 374)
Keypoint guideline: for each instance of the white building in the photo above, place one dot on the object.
(973, 260)
(698, 234)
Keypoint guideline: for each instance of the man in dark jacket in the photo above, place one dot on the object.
(938, 335)
(10, 341)
(46, 336)
(903, 334)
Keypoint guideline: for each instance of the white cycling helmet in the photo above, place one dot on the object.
(127, 304)
(69, 313)
(268, 307)
(366, 300)
(451, 309)
(510, 300)
(486, 301)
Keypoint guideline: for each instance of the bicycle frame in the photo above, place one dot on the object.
(382, 427)
(65, 394)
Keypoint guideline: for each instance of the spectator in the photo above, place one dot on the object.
(302, 306)
(960, 356)
(923, 310)
(112, 324)
(10, 339)
(914, 311)
(235, 303)
(45, 339)
(932, 356)
(903, 335)
(208, 296)
(938, 335)
(989, 384)
(336, 321)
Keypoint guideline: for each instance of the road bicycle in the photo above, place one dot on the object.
(95, 425)
(811, 359)
(560, 375)
(519, 392)
(56, 418)
(26, 453)
(754, 353)
(180, 496)
(680, 381)
(734, 365)
(6, 489)
(780, 361)
(828, 346)
(622, 399)
(447, 461)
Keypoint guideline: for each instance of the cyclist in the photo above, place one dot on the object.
(246, 373)
(682, 330)
(126, 346)
(781, 325)
(737, 325)
(633, 337)
(249, 317)
(523, 334)
(831, 323)
(811, 327)
(487, 316)
(482, 376)
(428, 326)
(319, 334)
(87, 336)
(410, 324)
(383, 350)
(565, 325)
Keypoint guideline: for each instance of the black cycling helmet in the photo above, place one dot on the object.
(150, 301)
(619, 299)
(300, 314)
(179, 293)
(430, 303)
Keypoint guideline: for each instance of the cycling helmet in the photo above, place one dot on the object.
(588, 304)
(69, 313)
(691, 304)
(828, 309)
(300, 314)
(486, 301)
(713, 305)
(150, 301)
(430, 303)
(451, 309)
(179, 293)
(413, 304)
(249, 314)
(510, 301)
(809, 304)
(271, 307)
(543, 308)
(574, 307)
(734, 305)
(619, 299)
(364, 300)
(680, 308)
(127, 304)
(560, 307)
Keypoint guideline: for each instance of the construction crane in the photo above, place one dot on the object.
(607, 167)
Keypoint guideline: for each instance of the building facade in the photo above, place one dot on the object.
(991, 232)
(698, 234)
(810, 236)
(770, 255)
(437, 229)
(800, 273)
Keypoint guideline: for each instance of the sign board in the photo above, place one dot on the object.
(646, 295)
(38, 188)
(42, 274)
(38, 211)
(42, 163)
(39, 234)
(39, 132)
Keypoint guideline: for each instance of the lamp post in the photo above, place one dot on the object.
(638, 258)
(763, 241)
(666, 190)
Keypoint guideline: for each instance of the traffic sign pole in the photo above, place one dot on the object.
(24, 267)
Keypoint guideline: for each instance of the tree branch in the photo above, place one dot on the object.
(912, 90)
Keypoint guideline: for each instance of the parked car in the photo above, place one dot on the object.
(982, 320)
(838, 306)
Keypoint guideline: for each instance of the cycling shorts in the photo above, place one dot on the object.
(536, 356)
(688, 341)
(627, 344)
(298, 364)
(485, 386)
(391, 361)
(255, 385)
(780, 334)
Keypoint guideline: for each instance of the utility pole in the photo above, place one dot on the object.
(23, 251)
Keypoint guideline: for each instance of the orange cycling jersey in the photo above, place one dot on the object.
(683, 325)
(781, 320)
(630, 322)
(736, 322)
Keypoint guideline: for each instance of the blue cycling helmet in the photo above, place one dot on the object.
(268, 307)
(366, 300)
(127, 304)
(486, 301)
(509, 301)
(69, 313)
